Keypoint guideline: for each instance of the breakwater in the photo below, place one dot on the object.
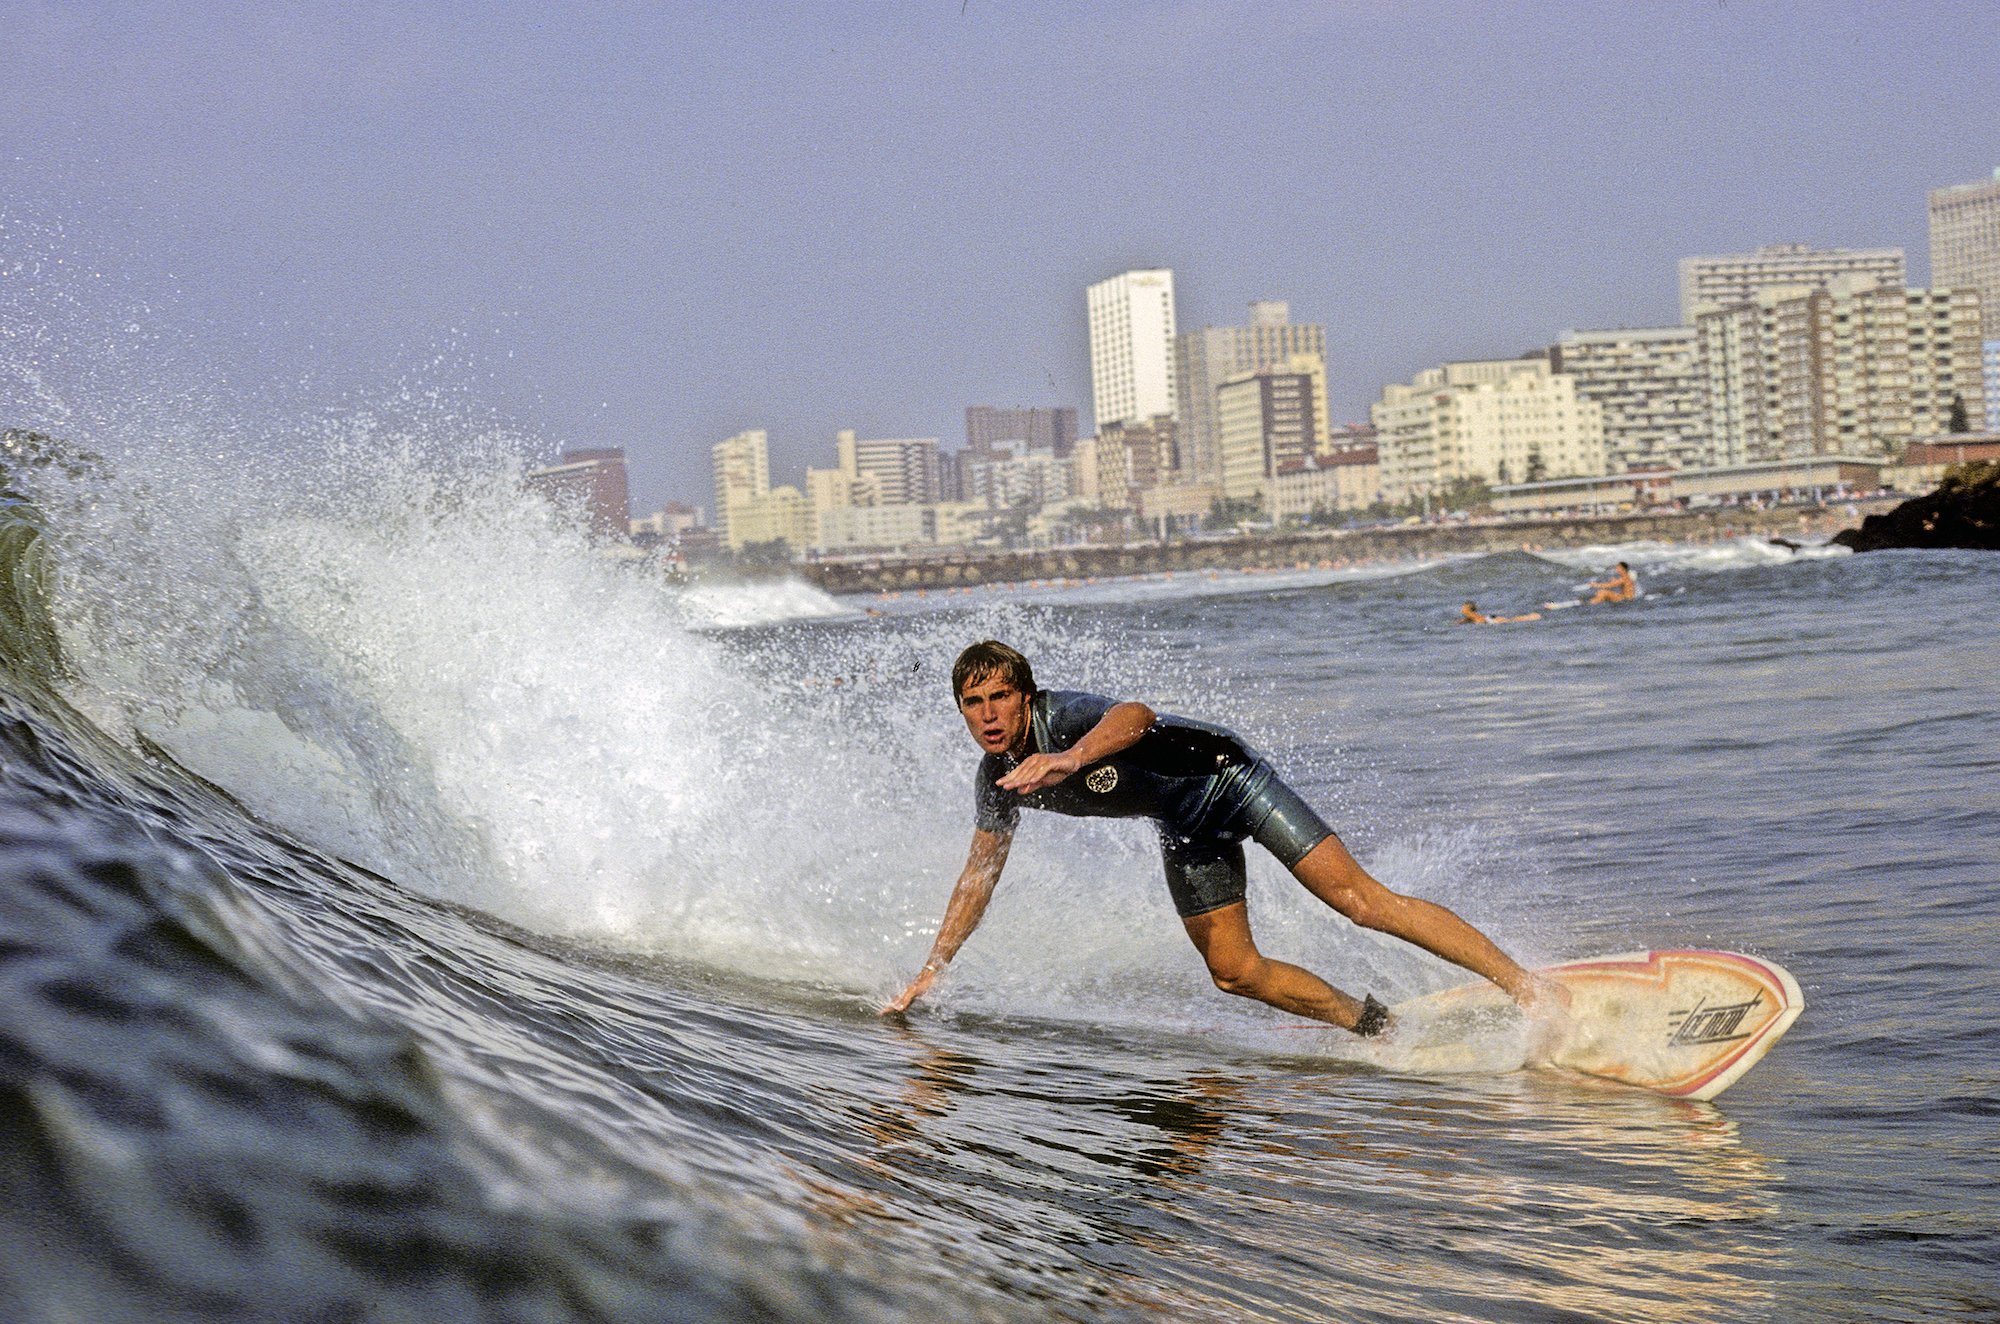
(1312, 547)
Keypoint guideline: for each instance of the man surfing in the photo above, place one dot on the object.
(1086, 755)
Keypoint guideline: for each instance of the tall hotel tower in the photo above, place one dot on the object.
(1132, 347)
(1965, 254)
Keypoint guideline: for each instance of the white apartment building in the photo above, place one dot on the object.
(1504, 421)
(1132, 347)
(742, 466)
(1648, 382)
(1965, 253)
(905, 469)
(1855, 369)
(1018, 474)
(1732, 278)
(1205, 359)
(748, 509)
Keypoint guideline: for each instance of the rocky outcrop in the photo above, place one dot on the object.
(1963, 512)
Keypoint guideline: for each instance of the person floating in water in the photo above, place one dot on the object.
(1086, 755)
(1621, 587)
(1471, 615)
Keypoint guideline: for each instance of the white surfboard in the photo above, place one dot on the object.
(1681, 1023)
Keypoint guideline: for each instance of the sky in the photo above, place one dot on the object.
(653, 225)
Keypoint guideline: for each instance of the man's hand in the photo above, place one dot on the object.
(1039, 770)
(918, 987)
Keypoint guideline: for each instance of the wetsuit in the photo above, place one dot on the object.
(1202, 787)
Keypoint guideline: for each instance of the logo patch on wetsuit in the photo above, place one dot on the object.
(1102, 779)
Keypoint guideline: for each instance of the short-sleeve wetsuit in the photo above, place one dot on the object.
(1203, 788)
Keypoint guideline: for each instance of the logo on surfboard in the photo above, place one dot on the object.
(1711, 1025)
(1102, 779)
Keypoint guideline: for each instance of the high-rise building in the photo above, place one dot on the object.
(1737, 348)
(905, 469)
(1012, 473)
(1649, 384)
(748, 509)
(1265, 421)
(1052, 430)
(1855, 369)
(1132, 347)
(1204, 359)
(742, 475)
(1732, 278)
(1965, 253)
(1495, 422)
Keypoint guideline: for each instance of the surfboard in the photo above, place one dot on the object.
(1681, 1023)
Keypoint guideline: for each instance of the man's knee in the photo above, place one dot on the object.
(1365, 902)
(1241, 974)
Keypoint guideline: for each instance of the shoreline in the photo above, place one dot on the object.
(1328, 548)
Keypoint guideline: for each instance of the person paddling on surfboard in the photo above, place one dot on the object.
(1621, 587)
(1470, 614)
(1086, 755)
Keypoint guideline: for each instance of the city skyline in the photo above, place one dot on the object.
(799, 222)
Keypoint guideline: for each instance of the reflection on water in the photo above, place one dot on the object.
(1263, 1187)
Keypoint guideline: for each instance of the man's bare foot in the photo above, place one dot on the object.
(1545, 1004)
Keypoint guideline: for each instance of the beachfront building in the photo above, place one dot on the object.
(905, 469)
(1124, 459)
(1265, 421)
(1737, 347)
(1327, 483)
(783, 514)
(1850, 369)
(1132, 347)
(1814, 478)
(1494, 422)
(1205, 359)
(1732, 278)
(1179, 507)
(1965, 253)
(1924, 462)
(1015, 474)
(1648, 383)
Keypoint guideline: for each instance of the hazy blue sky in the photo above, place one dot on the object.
(653, 225)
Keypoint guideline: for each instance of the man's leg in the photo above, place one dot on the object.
(1223, 939)
(1333, 875)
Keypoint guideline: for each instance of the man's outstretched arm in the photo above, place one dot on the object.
(974, 889)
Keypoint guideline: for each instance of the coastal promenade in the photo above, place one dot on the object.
(1405, 542)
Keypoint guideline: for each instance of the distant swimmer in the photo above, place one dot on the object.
(1621, 587)
(1471, 615)
(1088, 756)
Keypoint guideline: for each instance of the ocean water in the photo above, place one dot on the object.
(406, 913)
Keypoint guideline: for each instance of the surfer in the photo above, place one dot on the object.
(1621, 587)
(1086, 755)
(1471, 615)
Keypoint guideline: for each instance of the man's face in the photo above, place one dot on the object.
(996, 713)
